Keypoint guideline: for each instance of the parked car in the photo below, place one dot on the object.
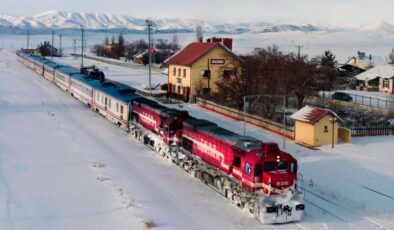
(340, 96)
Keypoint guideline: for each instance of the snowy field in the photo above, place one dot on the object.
(49, 141)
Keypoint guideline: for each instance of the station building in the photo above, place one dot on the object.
(194, 70)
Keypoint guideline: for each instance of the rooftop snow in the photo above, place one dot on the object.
(383, 71)
(311, 114)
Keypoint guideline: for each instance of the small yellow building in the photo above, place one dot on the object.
(316, 126)
(195, 69)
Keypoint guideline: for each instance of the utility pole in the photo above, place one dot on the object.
(82, 31)
(148, 23)
(53, 46)
(28, 40)
(299, 51)
(75, 46)
(60, 45)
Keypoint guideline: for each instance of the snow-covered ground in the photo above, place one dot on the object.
(48, 142)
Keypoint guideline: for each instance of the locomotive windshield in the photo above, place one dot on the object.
(272, 166)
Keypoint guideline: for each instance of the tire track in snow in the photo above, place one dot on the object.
(8, 200)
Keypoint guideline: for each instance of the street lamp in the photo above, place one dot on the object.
(82, 31)
(149, 24)
(60, 45)
(28, 40)
(333, 131)
(53, 46)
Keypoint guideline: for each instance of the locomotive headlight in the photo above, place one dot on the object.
(272, 209)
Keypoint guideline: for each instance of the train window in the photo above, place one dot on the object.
(237, 161)
(121, 109)
(109, 102)
(117, 107)
(282, 165)
(98, 97)
(248, 168)
(106, 101)
(258, 169)
(269, 166)
(102, 99)
(292, 167)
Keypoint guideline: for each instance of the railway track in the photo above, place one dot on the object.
(331, 207)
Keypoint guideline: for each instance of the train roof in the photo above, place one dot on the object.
(39, 59)
(66, 70)
(52, 64)
(245, 143)
(117, 90)
(160, 109)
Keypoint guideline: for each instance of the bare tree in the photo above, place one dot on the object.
(199, 33)
(391, 57)
(175, 43)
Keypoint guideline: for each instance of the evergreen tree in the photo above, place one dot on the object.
(328, 65)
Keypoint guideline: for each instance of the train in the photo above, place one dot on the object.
(254, 175)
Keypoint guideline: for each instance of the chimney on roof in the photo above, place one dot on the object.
(228, 42)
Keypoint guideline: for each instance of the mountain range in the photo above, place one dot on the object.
(58, 20)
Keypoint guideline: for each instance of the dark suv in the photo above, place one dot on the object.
(340, 96)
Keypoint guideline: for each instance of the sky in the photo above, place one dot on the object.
(331, 12)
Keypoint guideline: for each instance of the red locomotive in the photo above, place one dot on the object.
(254, 175)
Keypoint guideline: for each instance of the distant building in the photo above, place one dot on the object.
(111, 48)
(194, 70)
(316, 126)
(363, 64)
(379, 78)
(47, 49)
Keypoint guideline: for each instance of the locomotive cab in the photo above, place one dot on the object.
(282, 202)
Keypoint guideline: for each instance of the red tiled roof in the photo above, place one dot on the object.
(191, 53)
(311, 114)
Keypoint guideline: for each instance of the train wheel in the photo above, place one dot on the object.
(219, 184)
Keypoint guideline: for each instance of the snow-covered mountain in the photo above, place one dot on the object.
(95, 21)
(59, 20)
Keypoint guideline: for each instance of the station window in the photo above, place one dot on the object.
(174, 71)
(184, 72)
(248, 168)
(179, 72)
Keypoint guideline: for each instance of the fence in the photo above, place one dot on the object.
(375, 102)
(383, 130)
(249, 118)
(155, 69)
